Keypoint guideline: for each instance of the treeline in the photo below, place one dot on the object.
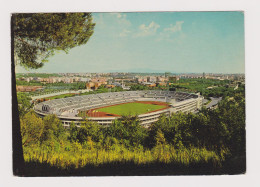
(72, 86)
(134, 87)
(223, 91)
(220, 88)
(205, 82)
(41, 75)
(211, 138)
(103, 89)
(31, 83)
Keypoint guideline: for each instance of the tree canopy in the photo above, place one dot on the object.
(37, 36)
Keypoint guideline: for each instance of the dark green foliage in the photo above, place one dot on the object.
(49, 86)
(160, 140)
(24, 104)
(41, 75)
(61, 96)
(47, 132)
(32, 128)
(145, 87)
(53, 128)
(71, 86)
(138, 87)
(213, 129)
(232, 113)
(34, 38)
(220, 88)
(214, 139)
(37, 36)
(128, 130)
(31, 83)
(89, 129)
(73, 132)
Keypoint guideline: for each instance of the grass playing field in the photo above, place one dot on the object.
(131, 109)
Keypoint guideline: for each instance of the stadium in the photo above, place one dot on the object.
(104, 108)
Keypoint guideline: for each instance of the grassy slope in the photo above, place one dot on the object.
(131, 108)
(60, 96)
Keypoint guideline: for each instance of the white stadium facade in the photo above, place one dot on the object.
(67, 109)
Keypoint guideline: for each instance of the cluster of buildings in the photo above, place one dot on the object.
(102, 79)
(55, 79)
(95, 83)
(216, 76)
(28, 88)
(151, 79)
(110, 80)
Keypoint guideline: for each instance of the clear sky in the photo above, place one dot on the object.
(179, 42)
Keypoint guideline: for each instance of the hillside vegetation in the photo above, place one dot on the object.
(210, 142)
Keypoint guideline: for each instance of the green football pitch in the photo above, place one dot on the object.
(131, 108)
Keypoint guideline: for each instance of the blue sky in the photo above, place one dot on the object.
(180, 42)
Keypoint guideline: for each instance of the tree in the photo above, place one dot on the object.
(32, 128)
(89, 129)
(53, 128)
(36, 37)
(128, 130)
(73, 130)
(24, 104)
(160, 140)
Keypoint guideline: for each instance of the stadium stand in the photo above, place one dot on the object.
(67, 109)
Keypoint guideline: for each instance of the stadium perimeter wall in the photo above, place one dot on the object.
(67, 108)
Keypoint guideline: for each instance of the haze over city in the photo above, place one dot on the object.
(180, 42)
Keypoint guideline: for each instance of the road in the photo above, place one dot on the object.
(214, 101)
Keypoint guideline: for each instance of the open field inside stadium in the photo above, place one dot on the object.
(133, 108)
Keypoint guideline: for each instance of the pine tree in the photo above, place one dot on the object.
(34, 38)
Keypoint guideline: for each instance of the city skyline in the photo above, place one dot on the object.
(151, 73)
(179, 42)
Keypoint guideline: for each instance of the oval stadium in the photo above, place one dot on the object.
(104, 108)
